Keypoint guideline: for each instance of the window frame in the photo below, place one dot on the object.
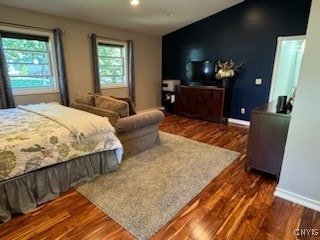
(52, 60)
(124, 46)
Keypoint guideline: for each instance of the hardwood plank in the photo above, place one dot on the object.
(234, 205)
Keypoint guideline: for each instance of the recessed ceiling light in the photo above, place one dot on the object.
(134, 2)
(170, 14)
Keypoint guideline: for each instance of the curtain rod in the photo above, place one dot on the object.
(26, 26)
(115, 39)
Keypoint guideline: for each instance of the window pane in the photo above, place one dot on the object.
(28, 70)
(111, 51)
(29, 64)
(105, 80)
(110, 61)
(26, 57)
(31, 82)
(108, 70)
(24, 44)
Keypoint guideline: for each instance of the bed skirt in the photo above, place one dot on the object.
(24, 193)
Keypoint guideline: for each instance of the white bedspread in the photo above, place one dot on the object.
(81, 124)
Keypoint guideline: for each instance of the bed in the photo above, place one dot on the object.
(47, 148)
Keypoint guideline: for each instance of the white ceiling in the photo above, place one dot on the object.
(149, 17)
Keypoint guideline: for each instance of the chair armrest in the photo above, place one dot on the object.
(139, 120)
(111, 115)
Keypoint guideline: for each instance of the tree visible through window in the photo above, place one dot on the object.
(29, 62)
(112, 65)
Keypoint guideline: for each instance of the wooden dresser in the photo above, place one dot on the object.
(205, 102)
(267, 139)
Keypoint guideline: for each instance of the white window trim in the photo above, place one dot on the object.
(125, 49)
(32, 91)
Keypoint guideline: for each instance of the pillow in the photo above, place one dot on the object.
(109, 103)
(132, 109)
(87, 99)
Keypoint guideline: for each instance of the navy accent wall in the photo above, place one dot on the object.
(246, 33)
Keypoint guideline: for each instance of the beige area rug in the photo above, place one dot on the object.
(149, 189)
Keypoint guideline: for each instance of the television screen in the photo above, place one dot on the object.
(201, 72)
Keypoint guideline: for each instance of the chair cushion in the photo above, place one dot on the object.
(84, 98)
(132, 109)
(109, 103)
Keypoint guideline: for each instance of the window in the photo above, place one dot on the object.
(30, 61)
(112, 59)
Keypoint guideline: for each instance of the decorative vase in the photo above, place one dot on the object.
(225, 82)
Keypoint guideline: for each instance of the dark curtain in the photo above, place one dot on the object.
(7, 100)
(96, 80)
(61, 65)
(131, 81)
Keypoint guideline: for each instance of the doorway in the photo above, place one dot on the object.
(286, 67)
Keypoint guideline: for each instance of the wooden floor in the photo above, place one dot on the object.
(235, 205)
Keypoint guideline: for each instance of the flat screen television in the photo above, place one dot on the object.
(201, 72)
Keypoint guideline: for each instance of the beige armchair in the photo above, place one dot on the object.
(137, 132)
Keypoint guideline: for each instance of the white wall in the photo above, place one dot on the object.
(147, 56)
(300, 174)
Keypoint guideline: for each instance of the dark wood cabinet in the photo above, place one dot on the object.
(205, 102)
(267, 139)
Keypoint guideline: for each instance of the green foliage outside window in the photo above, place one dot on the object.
(111, 64)
(109, 50)
(28, 63)
(24, 44)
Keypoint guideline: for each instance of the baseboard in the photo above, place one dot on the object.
(231, 120)
(148, 109)
(292, 197)
(238, 121)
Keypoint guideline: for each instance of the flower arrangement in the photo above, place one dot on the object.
(227, 69)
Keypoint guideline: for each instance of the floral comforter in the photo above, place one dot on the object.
(29, 141)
